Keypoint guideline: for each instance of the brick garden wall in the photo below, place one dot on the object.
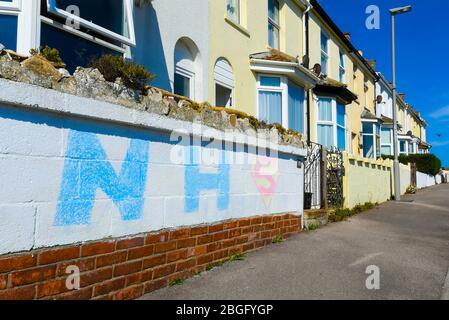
(127, 268)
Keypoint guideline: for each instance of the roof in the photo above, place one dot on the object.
(274, 55)
(366, 114)
(340, 90)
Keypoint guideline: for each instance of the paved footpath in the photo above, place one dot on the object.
(409, 242)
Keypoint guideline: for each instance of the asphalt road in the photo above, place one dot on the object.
(408, 242)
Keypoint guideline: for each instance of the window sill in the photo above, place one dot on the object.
(237, 26)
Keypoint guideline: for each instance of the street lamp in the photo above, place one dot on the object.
(397, 181)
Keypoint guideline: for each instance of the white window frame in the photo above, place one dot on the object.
(329, 123)
(15, 5)
(342, 69)
(238, 8)
(227, 86)
(283, 89)
(326, 54)
(191, 76)
(130, 41)
(277, 26)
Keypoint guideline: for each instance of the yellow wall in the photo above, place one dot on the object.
(354, 79)
(237, 42)
(358, 172)
(379, 174)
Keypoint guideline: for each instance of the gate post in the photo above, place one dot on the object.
(323, 171)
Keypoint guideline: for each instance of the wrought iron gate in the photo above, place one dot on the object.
(312, 177)
(335, 174)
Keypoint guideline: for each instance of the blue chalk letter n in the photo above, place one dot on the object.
(87, 169)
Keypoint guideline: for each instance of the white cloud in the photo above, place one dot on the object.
(440, 143)
(440, 113)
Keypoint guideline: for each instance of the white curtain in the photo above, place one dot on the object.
(326, 135)
(270, 106)
(296, 108)
(324, 109)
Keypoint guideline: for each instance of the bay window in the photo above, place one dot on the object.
(371, 139)
(324, 53)
(9, 20)
(233, 10)
(331, 124)
(273, 24)
(84, 29)
(386, 139)
(281, 101)
(403, 147)
(270, 98)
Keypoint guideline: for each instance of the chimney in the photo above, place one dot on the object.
(402, 96)
(372, 63)
(361, 53)
(347, 35)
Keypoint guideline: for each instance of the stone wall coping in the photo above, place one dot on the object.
(34, 97)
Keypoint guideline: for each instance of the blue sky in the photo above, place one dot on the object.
(422, 53)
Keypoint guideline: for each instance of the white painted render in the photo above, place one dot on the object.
(159, 26)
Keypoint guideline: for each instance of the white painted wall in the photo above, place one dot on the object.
(424, 180)
(158, 28)
(386, 107)
(36, 157)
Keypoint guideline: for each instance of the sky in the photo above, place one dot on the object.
(422, 55)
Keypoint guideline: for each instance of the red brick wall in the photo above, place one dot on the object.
(128, 268)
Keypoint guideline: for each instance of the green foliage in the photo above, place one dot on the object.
(214, 265)
(425, 163)
(313, 227)
(278, 239)
(176, 282)
(343, 214)
(134, 76)
(237, 257)
(411, 190)
(51, 54)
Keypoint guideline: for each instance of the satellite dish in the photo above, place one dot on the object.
(317, 68)
(306, 61)
(379, 99)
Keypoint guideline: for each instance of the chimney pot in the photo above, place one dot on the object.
(348, 36)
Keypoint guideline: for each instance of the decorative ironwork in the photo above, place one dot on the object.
(335, 174)
(312, 176)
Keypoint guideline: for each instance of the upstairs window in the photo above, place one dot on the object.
(273, 24)
(233, 10)
(342, 71)
(324, 53)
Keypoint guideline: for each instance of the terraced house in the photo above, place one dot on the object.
(288, 64)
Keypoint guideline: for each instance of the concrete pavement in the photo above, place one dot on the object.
(409, 242)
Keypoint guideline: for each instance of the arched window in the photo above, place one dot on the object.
(186, 70)
(224, 83)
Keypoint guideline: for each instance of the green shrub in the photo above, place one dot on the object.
(51, 54)
(134, 76)
(425, 163)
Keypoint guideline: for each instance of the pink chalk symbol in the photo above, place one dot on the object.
(265, 173)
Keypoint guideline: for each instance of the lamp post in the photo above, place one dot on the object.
(397, 181)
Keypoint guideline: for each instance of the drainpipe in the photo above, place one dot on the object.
(309, 95)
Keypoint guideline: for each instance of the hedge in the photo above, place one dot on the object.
(425, 163)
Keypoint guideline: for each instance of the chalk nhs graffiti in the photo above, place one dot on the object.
(87, 168)
(195, 181)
